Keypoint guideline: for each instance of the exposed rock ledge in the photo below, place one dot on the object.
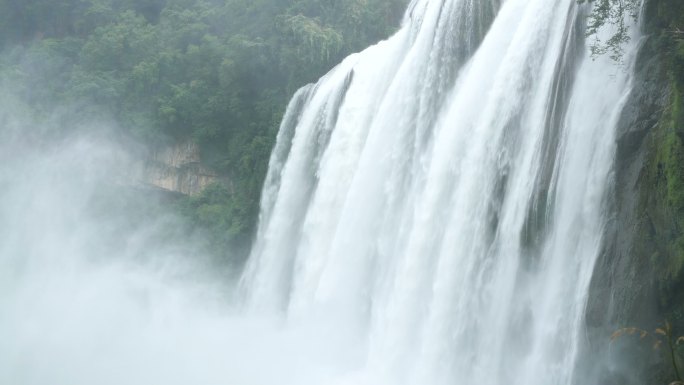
(178, 169)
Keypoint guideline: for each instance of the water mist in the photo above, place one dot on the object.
(432, 213)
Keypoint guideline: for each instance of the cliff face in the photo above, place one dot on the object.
(638, 278)
(178, 169)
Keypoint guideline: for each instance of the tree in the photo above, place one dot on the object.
(614, 13)
(215, 72)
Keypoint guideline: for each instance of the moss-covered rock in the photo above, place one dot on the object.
(660, 234)
(639, 278)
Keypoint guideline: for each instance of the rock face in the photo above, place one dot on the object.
(178, 169)
(622, 293)
(637, 280)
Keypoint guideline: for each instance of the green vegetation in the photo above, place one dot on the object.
(667, 177)
(614, 13)
(662, 336)
(661, 202)
(218, 72)
(652, 165)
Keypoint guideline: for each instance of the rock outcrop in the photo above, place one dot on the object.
(178, 169)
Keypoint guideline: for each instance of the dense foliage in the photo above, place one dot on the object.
(218, 72)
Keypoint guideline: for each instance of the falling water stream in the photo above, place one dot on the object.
(431, 215)
(440, 196)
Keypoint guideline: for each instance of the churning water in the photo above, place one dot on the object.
(432, 213)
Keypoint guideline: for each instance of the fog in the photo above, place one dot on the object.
(101, 284)
(432, 214)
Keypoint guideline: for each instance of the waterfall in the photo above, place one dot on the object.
(438, 200)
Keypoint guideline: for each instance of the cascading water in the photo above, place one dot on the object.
(432, 213)
(437, 201)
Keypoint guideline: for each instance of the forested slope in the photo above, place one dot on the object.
(218, 73)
